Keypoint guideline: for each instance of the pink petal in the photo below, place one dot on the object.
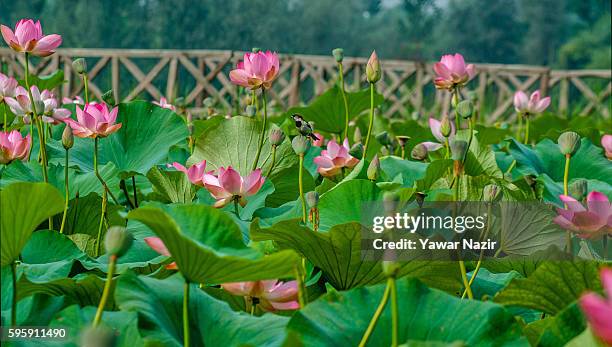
(240, 77)
(47, 44)
(332, 149)
(434, 125)
(158, 245)
(571, 203)
(252, 183)
(179, 167)
(323, 162)
(230, 180)
(8, 35)
(598, 313)
(520, 101)
(599, 204)
(432, 146)
(442, 70)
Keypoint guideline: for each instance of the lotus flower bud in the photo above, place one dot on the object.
(208, 102)
(338, 54)
(67, 137)
(455, 100)
(373, 72)
(117, 241)
(255, 49)
(109, 97)
(579, 189)
(357, 151)
(383, 138)
(373, 168)
(357, 136)
(390, 268)
(300, 144)
(80, 66)
(277, 136)
(458, 149)
(403, 140)
(251, 111)
(312, 199)
(465, 109)
(569, 143)
(445, 127)
(100, 336)
(491, 192)
(419, 152)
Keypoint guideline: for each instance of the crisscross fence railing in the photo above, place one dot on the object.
(406, 85)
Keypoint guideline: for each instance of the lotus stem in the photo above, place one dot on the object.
(134, 191)
(112, 260)
(186, 314)
(344, 99)
(394, 312)
(5, 116)
(565, 192)
(456, 99)
(377, 313)
(104, 185)
(67, 189)
(263, 128)
(371, 124)
(446, 144)
(526, 130)
(102, 216)
(468, 289)
(273, 161)
(604, 240)
(86, 88)
(299, 277)
(481, 256)
(14, 307)
(471, 125)
(236, 208)
(125, 193)
(520, 126)
(301, 186)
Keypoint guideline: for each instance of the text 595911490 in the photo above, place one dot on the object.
(33, 333)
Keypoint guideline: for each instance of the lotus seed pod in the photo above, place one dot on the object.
(357, 151)
(338, 54)
(455, 100)
(569, 142)
(80, 66)
(312, 199)
(373, 72)
(357, 136)
(255, 49)
(491, 192)
(109, 97)
(277, 136)
(458, 149)
(445, 126)
(373, 168)
(67, 137)
(300, 144)
(383, 138)
(117, 241)
(419, 152)
(251, 111)
(579, 189)
(390, 268)
(403, 140)
(465, 109)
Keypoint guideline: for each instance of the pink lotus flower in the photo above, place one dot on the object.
(77, 100)
(163, 103)
(606, 143)
(534, 105)
(334, 158)
(452, 72)
(257, 70)
(94, 121)
(195, 173)
(7, 87)
(434, 125)
(13, 146)
(320, 142)
(272, 294)
(158, 246)
(229, 186)
(598, 310)
(591, 223)
(20, 104)
(52, 113)
(28, 37)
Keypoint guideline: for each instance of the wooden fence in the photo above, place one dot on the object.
(406, 85)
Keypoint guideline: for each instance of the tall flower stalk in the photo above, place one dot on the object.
(569, 143)
(373, 74)
(338, 54)
(67, 142)
(263, 129)
(186, 313)
(117, 242)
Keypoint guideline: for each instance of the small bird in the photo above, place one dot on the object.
(305, 128)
